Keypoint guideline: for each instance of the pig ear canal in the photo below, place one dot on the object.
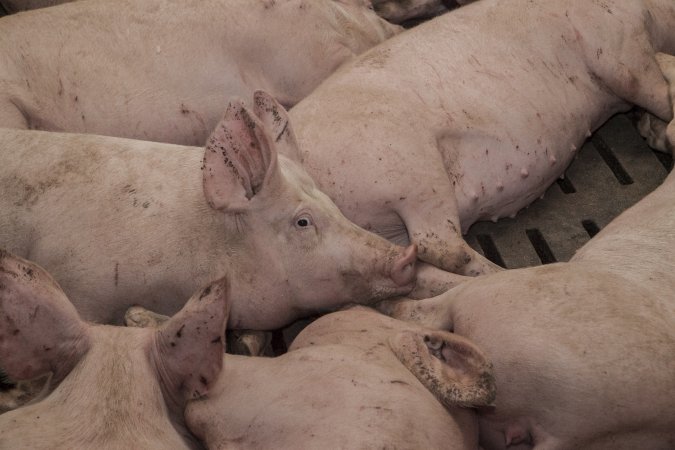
(239, 160)
(451, 367)
(190, 346)
(40, 331)
(276, 121)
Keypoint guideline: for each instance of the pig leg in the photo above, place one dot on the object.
(250, 342)
(667, 65)
(431, 218)
(432, 281)
(653, 130)
(660, 134)
(139, 317)
(431, 312)
(449, 366)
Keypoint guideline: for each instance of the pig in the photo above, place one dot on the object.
(121, 222)
(161, 70)
(114, 387)
(351, 379)
(472, 115)
(583, 350)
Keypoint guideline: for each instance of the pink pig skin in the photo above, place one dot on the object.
(113, 387)
(472, 115)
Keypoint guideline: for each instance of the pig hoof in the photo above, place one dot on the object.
(140, 317)
(250, 343)
(653, 130)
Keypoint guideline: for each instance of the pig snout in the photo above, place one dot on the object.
(403, 271)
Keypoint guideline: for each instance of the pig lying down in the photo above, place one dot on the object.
(348, 381)
(583, 351)
(121, 222)
(161, 70)
(114, 387)
(472, 115)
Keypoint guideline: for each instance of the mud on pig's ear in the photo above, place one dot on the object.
(40, 331)
(277, 123)
(190, 345)
(240, 160)
(450, 366)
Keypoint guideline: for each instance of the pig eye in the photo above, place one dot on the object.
(303, 221)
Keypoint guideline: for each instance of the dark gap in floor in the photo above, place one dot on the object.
(566, 186)
(591, 227)
(278, 343)
(665, 160)
(610, 159)
(540, 246)
(5, 383)
(487, 244)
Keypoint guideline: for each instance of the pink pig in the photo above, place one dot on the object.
(114, 387)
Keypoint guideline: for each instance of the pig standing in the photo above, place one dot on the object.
(348, 381)
(115, 387)
(472, 115)
(121, 222)
(161, 70)
(583, 351)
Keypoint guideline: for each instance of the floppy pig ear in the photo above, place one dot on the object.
(277, 123)
(451, 367)
(190, 345)
(40, 330)
(238, 161)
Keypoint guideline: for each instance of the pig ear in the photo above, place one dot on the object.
(451, 367)
(40, 330)
(239, 160)
(190, 345)
(276, 121)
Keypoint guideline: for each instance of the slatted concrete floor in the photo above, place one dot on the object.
(614, 170)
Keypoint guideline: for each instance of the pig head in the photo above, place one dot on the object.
(582, 351)
(112, 387)
(472, 115)
(122, 222)
(352, 379)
